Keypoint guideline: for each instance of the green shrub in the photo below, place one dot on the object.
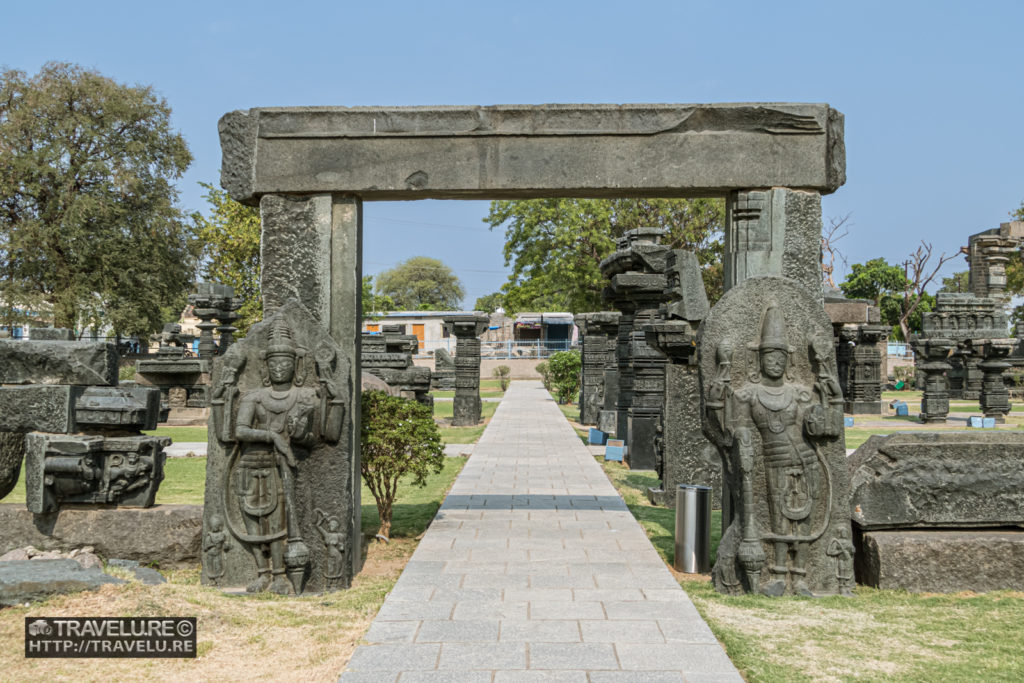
(564, 367)
(545, 374)
(503, 373)
(399, 438)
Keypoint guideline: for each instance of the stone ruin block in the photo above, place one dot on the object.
(39, 407)
(939, 511)
(443, 377)
(58, 362)
(938, 479)
(772, 406)
(60, 469)
(51, 334)
(466, 408)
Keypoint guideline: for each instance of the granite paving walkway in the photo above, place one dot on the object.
(534, 570)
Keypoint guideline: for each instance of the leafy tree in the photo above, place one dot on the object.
(956, 283)
(873, 279)
(399, 439)
(555, 246)
(489, 303)
(421, 283)
(231, 239)
(374, 304)
(88, 223)
(564, 367)
(1018, 215)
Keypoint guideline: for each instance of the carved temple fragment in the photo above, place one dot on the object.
(598, 339)
(773, 407)
(467, 330)
(277, 470)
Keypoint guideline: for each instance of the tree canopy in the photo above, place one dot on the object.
(374, 304)
(555, 246)
(421, 283)
(89, 227)
(489, 303)
(231, 251)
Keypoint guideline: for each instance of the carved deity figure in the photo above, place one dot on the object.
(841, 548)
(215, 543)
(334, 540)
(275, 427)
(772, 424)
(128, 474)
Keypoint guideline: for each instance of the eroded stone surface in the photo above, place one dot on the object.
(938, 479)
(58, 362)
(942, 561)
(29, 580)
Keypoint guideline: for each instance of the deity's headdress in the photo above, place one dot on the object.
(281, 341)
(773, 330)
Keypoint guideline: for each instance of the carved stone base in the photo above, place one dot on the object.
(942, 561)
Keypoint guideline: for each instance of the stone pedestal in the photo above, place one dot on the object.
(995, 398)
(467, 330)
(599, 337)
(932, 355)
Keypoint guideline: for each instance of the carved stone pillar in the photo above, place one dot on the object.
(467, 330)
(863, 388)
(995, 398)
(774, 231)
(636, 271)
(933, 354)
(598, 332)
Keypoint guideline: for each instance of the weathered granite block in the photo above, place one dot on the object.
(134, 407)
(12, 452)
(39, 408)
(942, 561)
(169, 536)
(58, 362)
(938, 479)
(29, 580)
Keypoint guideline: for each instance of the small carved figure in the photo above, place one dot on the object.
(841, 548)
(130, 474)
(215, 544)
(334, 540)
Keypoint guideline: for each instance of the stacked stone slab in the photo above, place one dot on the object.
(637, 287)
(215, 302)
(598, 335)
(939, 512)
(686, 456)
(183, 381)
(467, 330)
(389, 356)
(80, 433)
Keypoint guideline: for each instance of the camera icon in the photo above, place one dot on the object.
(40, 627)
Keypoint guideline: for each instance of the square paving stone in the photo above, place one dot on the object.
(572, 656)
(402, 611)
(392, 631)
(540, 676)
(465, 631)
(485, 656)
(445, 677)
(394, 657)
(368, 677)
(638, 677)
(690, 630)
(607, 631)
(566, 610)
(489, 609)
(689, 658)
(539, 631)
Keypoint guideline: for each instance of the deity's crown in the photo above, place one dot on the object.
(281, 341)
(773, 330)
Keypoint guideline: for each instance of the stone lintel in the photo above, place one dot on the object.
(526, 151)
(58, 362)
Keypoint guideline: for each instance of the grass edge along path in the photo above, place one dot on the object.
(878, 635)
(256, 637)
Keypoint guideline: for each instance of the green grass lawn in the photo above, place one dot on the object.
(180, 434)
(877, 635)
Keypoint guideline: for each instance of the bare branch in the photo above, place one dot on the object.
(837, 230)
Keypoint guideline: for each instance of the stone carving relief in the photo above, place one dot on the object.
(773, 407)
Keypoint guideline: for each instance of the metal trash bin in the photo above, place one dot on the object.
(693, 529)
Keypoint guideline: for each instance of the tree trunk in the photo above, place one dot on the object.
(384, 512)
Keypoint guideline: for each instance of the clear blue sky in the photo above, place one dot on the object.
(932, 91)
